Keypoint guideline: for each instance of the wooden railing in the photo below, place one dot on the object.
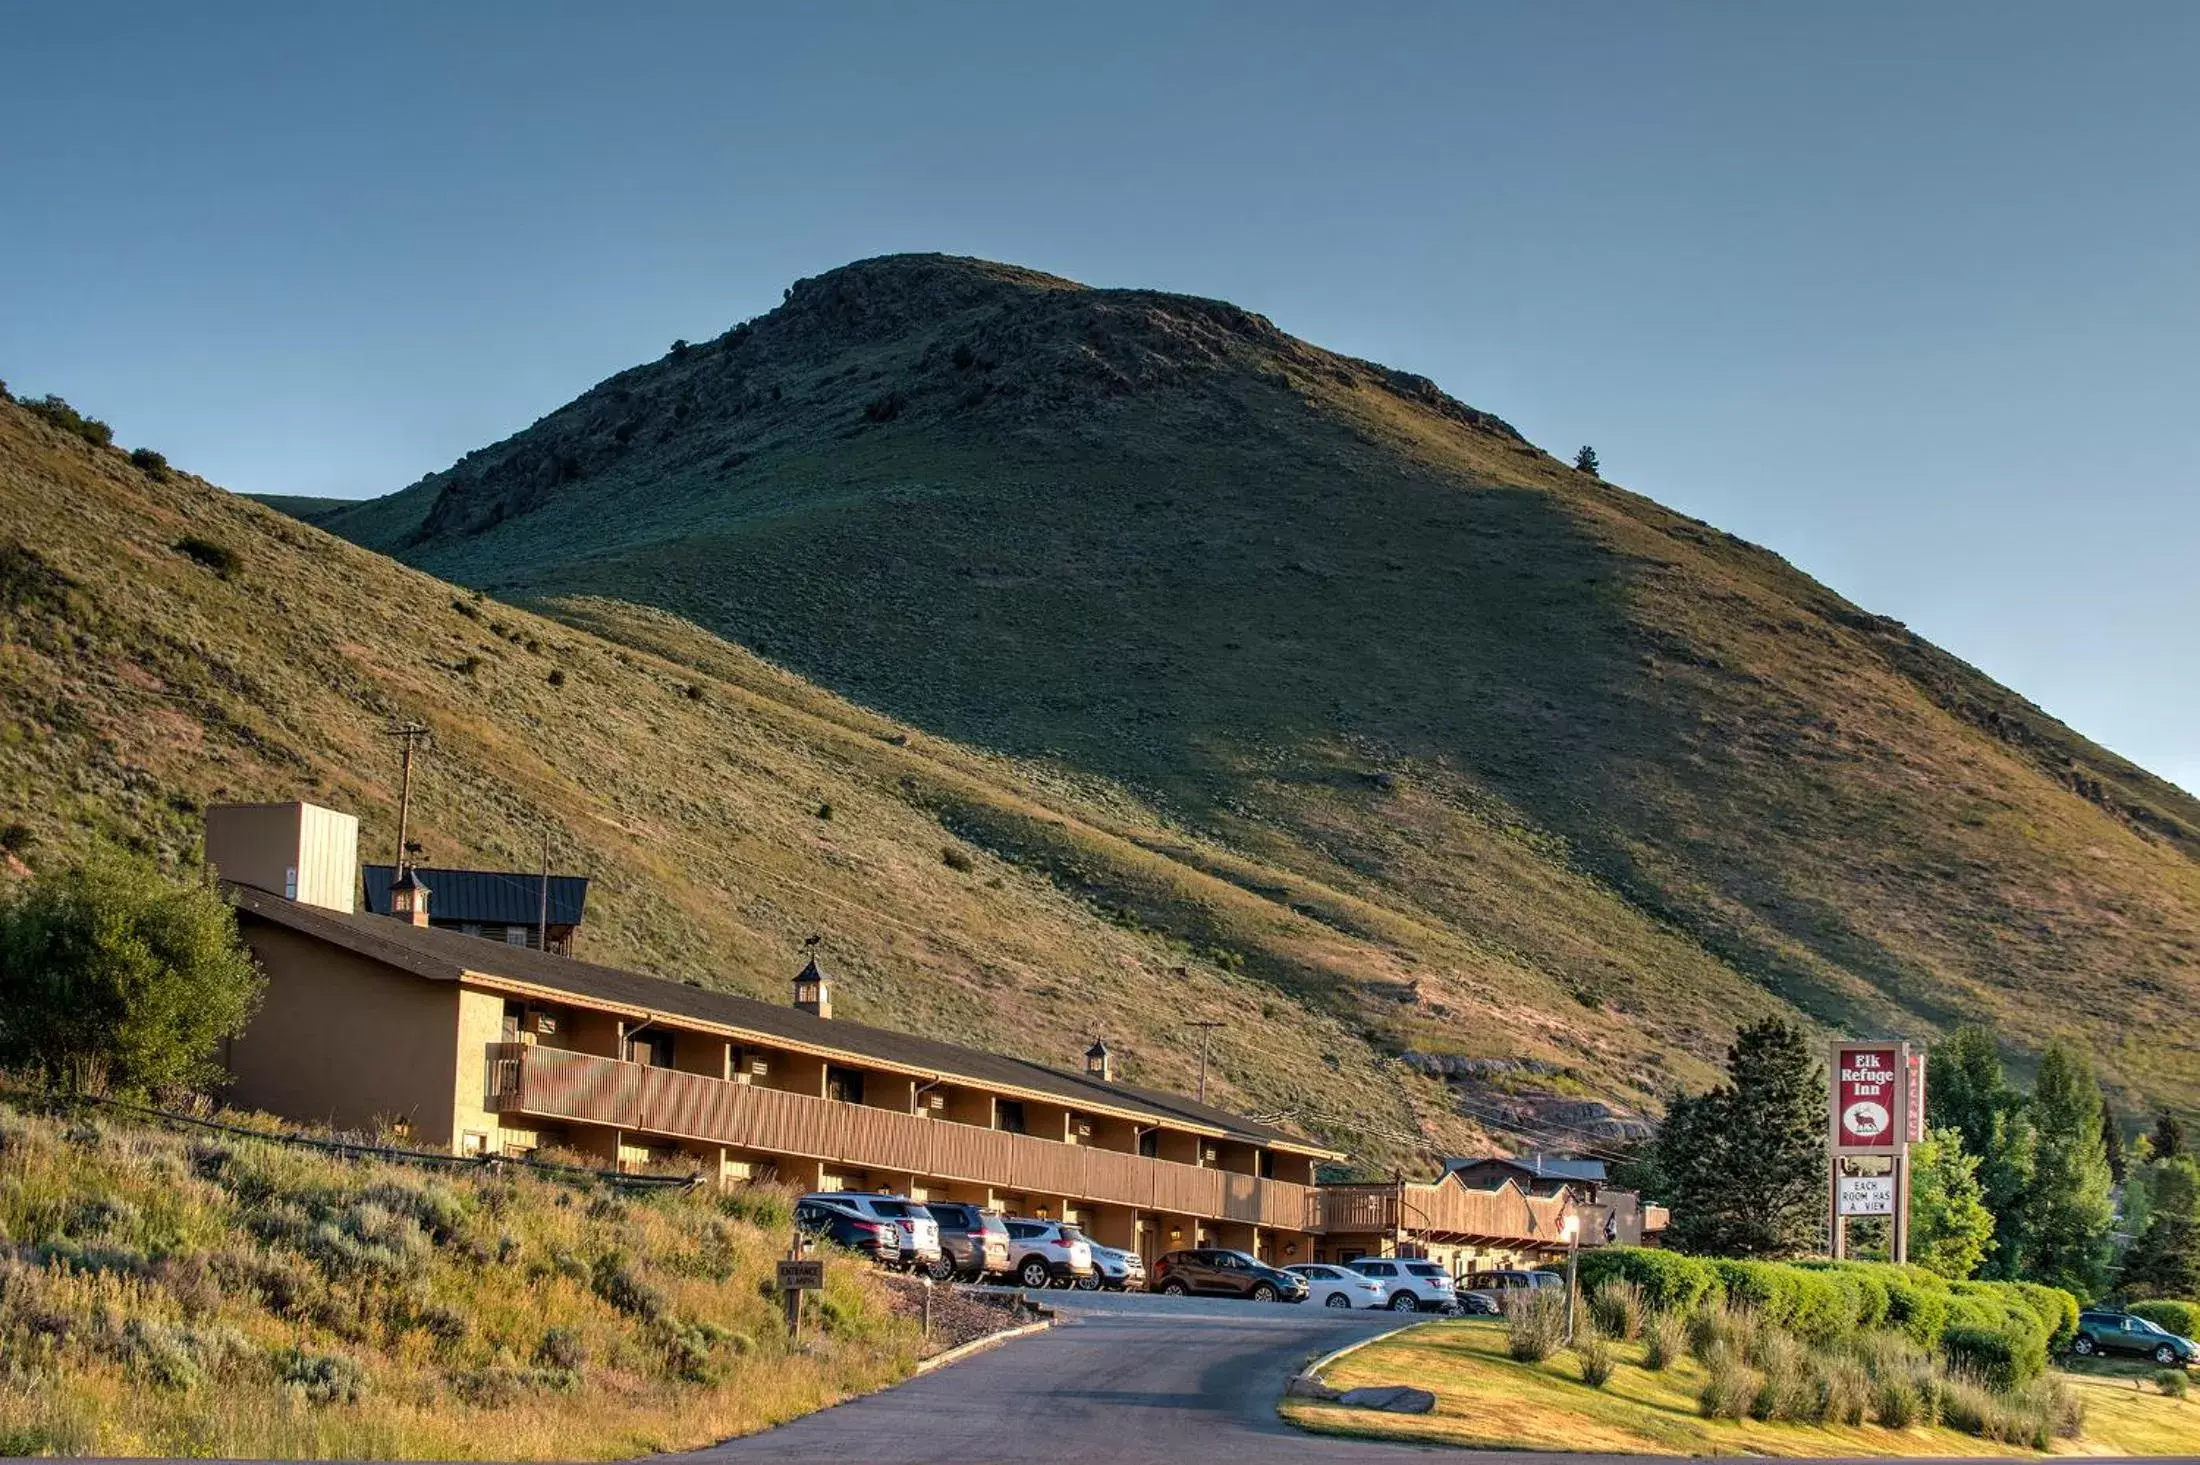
(1445, 1208)
(551, 1083)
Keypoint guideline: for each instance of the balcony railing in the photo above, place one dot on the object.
(552, 1083)
(1444, 1209)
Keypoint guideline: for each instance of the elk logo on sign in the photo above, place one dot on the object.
(1867, 1080)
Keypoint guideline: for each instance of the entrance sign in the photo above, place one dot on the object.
(1869, 1080)
(802, 1276)
(1877, 1093)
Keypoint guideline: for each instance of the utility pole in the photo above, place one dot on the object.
(414, 734)
(542, 928)
(1206, 1027)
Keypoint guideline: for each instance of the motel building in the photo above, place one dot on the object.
(385, 1019)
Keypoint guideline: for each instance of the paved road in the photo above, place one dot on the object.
(1129, 1381)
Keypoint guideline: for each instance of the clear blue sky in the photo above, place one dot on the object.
(1909, 293)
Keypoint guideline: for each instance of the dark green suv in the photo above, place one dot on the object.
(2119, 1332)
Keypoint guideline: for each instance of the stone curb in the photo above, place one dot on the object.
(979, 1345)
(1307, 1382)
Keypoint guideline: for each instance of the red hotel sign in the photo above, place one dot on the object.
(1866, 1108)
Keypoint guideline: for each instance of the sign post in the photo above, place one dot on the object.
(798, 1275)
(1877, 1113)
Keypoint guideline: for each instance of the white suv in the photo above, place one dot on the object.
(1415, 1286)
(912, 1223)
(1040, 1252)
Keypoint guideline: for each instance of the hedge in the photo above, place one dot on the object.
(1669, 1281)
(2002, 1357)
(2181, 1318)
(2055, 1307)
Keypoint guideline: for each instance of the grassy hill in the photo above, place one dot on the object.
(1460, 749)
(165, 1294)
(167, 644)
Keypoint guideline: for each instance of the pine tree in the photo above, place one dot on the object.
(2069, 1208)
(1950, 1226)
(1746, 1163)
(2165, 1260)
(2112, 1143)
(1970, 1093)
(1586, 459)
(2169, 1136)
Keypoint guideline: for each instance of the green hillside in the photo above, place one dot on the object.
(167, 644)
(1429, 733)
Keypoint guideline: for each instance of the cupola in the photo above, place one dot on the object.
(409, 898)
(1099, 1062)
(813, 993)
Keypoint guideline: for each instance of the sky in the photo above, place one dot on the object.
(1910, 294)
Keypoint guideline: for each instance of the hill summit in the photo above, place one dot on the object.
(1585, 770)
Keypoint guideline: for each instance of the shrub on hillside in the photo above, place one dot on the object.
(2172, 1381)
(68, 419)
(1841, 1389)
(114, 976)
(151, 463)
(2181, 1318)
(1535, 1324)
(2002, 1358)
(1730, 1386)
(1664, 1340)
(1784, 1387)
(219, 558)
(1616, 1307)
(1669, 1282)
(1597, 1357)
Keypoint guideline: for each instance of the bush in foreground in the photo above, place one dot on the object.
(1535, 1324)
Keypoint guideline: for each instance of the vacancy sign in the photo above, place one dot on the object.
(1867, 1096)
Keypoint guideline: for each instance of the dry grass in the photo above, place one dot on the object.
(170, 1296)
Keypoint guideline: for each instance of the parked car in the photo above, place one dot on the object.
(1215, 1272)
(2101, 1331)
(877, 1239)
(1485, 1292)
(1116, 1270)
(973, 1242)
(917, 1232)
(1043, 1252)
(1341, 1286)
(1415, 1286)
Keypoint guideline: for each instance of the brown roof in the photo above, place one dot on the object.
(450, 956)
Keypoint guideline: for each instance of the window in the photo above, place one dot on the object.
(472, 1142)
(1266, 1167)
(844, 1084)
(518, 936)
(1149, 1144)
(1008, 1114)
(515, 1014)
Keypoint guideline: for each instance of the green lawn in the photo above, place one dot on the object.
(1486, 1401)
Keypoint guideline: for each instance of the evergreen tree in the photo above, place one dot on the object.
(1586, 459)
(2165, 1260)
(2112, 1143)
(1970, 1093)
(1745, 1165)
(2069, 1208)
(2169, 1136)
(1950, 1226)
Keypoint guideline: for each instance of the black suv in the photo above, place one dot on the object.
(2101, 1331)
(878, 1240)
(1225, 1273)
(973, 1241)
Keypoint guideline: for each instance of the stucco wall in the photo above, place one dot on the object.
(480, 1025)
(346, 1042)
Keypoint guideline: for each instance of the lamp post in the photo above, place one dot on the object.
(1571, 1230)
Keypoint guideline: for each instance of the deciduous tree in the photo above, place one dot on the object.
(1950, 1226)
(113, 975)
(1970, 1093)
(2068, 1209)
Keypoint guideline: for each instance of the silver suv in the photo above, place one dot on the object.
(913, 1224)
(1042, 1252)
(1415, 1286)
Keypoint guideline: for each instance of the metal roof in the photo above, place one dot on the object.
(513, 897)
(449, 956)
(1542, 1167)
